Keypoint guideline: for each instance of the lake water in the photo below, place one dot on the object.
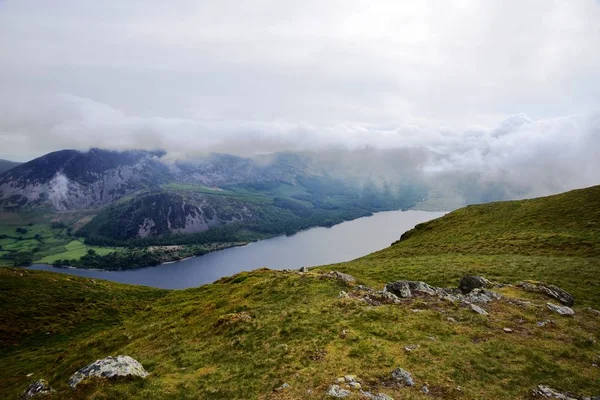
(316, 246)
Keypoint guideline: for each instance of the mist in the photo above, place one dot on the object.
(501, 93)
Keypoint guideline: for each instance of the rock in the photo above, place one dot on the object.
(399, 288)
(470, 282)
(548, 393)
(403, 377)
(478, 309)
(411, 347)
(481, 296)
(343, 295)
(336, 391)
(425, 389)
(282, 387)
(553, 291)
(341, 379)
(545, 322)
(507, 330)
(450, 319)
(355, 385)
(340, 276)
(109, 367)
(562, 310)
(350, 378)
(304, 269)
(37, 388)
(379, 396)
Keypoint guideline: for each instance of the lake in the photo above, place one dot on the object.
(316, 246)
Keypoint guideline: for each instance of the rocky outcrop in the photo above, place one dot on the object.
(37, 388)
(553, 291)
(402, 377)
(545, 392)
(562, 310)
(340, 276)
(478, 309)
(107, 368)
(481, 296)
(337, 392)
(405, 289)
(470, 282)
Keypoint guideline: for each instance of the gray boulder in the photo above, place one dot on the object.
(470, 282)
(549, 393)
(481, 296)
(304, 269)
(109, 367)
(378, 396)
(478, 309)
(37, 388)
(553, 291)
(562, 310)
(403, 377)
(404, 289)
(340, 276)
(338, 392)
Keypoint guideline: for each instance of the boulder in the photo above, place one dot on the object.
(549, 393)
(481, 296)
(404, 289)
(338, 392)
(340, 276)
(553, 291)
(379, 396)
(37, 388)
(470, 282)
(478, 309)
(304, 269)
(562, 310)
(109, 367)
(402, 377)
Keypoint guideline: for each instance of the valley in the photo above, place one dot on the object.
(312, 327)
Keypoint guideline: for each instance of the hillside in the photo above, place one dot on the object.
(5, 165)
(243, 337)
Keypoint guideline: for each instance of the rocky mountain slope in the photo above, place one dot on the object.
(489, 302)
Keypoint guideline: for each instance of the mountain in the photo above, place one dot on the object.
(312, 328)
(140, 194)
(5, 165)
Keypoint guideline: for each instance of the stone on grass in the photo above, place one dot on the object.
(403, 377)
(553, 291)
(478, 309)
(481, 296)
(562, 310)
(507, 330)
(304, 269)
(355, 385)
(340, 276)
(378, 396)
(109, 367)
(343, 295)
(549, 393)
(470, 282)
(37, 388)
(282, 387)
(338, 392)
(425, 389)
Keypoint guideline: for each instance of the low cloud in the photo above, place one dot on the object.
(528, 157)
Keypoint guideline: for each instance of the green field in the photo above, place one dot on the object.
(297, 329)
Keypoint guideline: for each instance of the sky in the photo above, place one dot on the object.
(501, 87)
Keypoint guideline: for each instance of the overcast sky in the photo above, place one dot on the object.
(481, 81)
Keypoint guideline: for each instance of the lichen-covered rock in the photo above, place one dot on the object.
(470, 282)
(562, 310)
(340, 276)
(481, 296)
(338, 392)
(553, 291)
(403, 377)
(37, 388)
(478, 309)
(378, 396)
(109, 367)
(381, 297)
(549, 393)
(404, 289)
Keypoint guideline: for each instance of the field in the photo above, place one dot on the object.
(43, 243)
(244, 336)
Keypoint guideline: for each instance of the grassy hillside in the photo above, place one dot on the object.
(242, 337)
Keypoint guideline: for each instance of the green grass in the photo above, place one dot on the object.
(75, 250)
(302, 333)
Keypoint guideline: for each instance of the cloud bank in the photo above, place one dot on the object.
(504, 90)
